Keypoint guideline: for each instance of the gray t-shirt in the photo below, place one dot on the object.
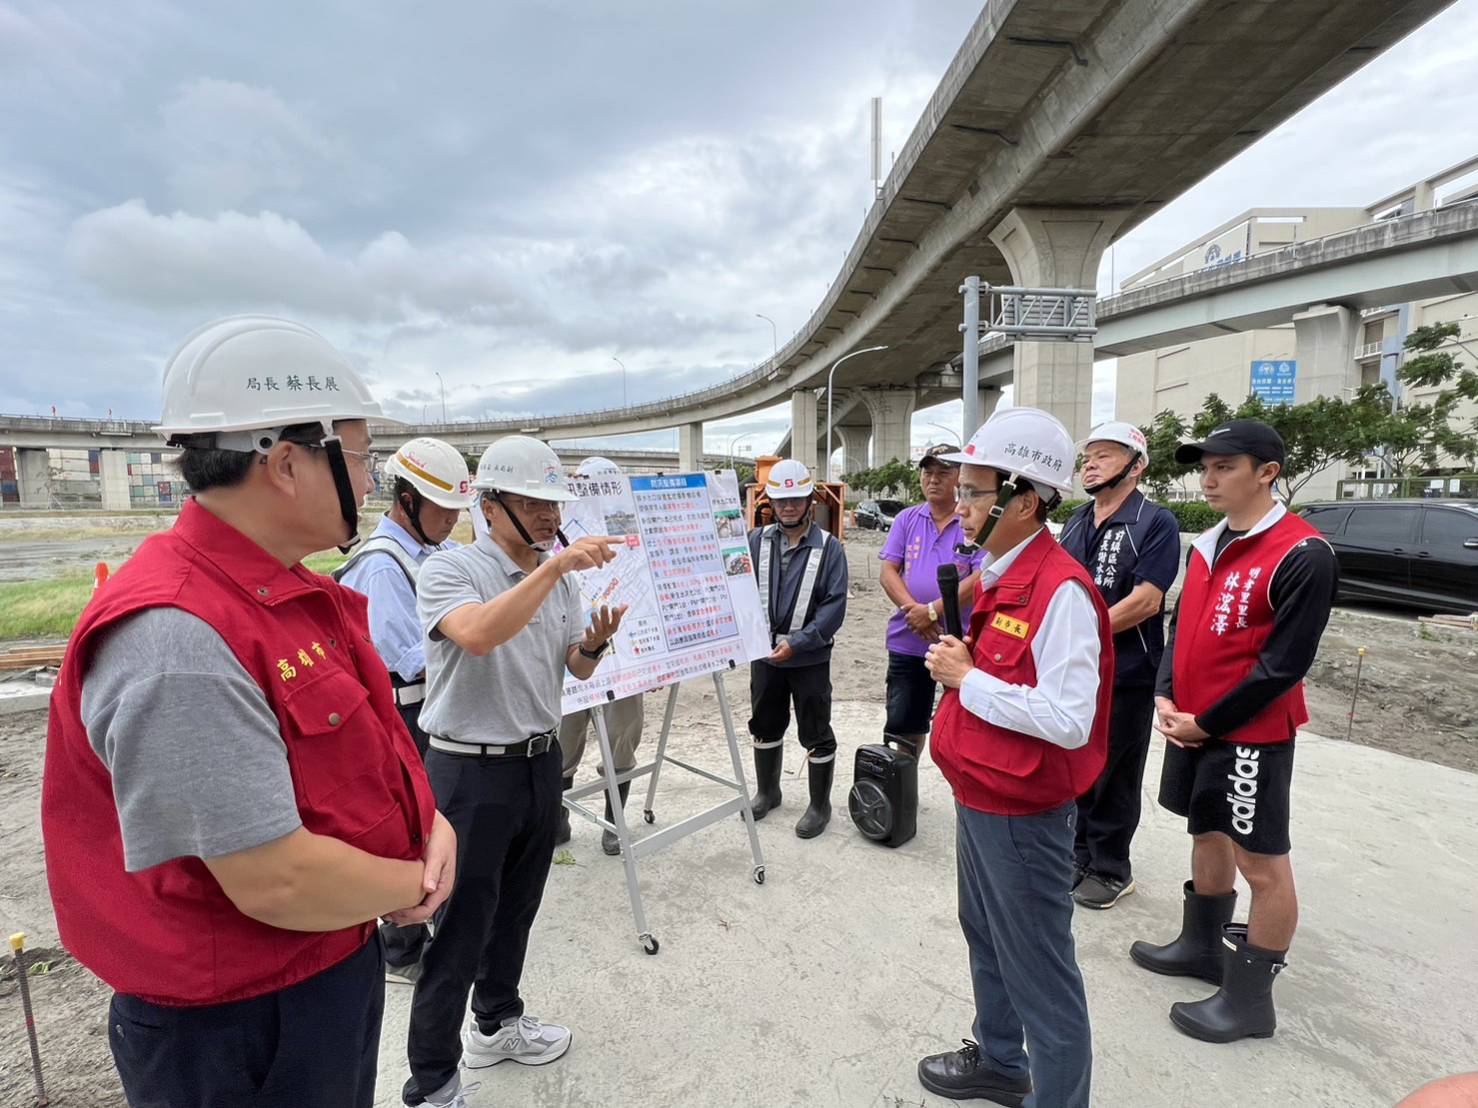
(198, 763)
(514, 690)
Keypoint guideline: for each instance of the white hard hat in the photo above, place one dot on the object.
(523, 465)
(595, 465)
(789, 480)
(1026, 442)
(435, 469)
(256, 373)
(1125, 434)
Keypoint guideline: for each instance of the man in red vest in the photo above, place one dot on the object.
(231, 797)
(1257, 593)
(1021, 733)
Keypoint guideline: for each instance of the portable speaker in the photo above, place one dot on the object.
(884, 801)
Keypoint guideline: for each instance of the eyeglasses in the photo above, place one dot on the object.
(369, 459)
(966, 493)
(530, 507)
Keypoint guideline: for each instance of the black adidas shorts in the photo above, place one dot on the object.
(1241, 791)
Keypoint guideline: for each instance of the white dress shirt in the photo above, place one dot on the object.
(1061, 706)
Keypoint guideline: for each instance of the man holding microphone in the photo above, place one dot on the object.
(1020, 734)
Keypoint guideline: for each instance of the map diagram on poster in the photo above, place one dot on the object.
(693, 607)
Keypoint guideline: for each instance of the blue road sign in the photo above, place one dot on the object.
(1273, 381)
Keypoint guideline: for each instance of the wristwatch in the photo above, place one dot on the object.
(596, 654)
(933, 612)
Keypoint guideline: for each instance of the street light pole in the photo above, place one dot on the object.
(829, 377)
(774, 334)
(948, 431)
(735, 439)
(443, 397)
(622, 364)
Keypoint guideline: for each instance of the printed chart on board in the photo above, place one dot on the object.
(685, 574)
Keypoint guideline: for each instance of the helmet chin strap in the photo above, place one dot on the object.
(410, 503)
(804, 521)
(523, 532)
(348, 502)
(1008, 488)
(1113, 482)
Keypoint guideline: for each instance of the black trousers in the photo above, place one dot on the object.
(403, 945)
(313, 1045)
(505, 812)
(771, 692)
(1108, 813)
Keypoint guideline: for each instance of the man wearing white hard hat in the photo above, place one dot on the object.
(802, 575)
(1020, 734)
(430, 489)
(1132, 548)
(230, 798)
(624, 718)
(503, 622)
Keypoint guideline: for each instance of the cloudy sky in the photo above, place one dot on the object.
(515, 195)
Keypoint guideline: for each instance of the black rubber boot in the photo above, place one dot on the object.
(562, 835)
(767, 762)
(608, 841)
(818, 812)
(1197, 951)
(1243, 1007)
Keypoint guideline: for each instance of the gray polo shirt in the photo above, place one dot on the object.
(514, 690)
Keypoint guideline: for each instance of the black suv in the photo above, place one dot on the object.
(878, 515)
(1417, 553)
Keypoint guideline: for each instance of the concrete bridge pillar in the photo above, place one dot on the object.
(854, 448)
(690, 447)
(1324, 345)
(804, 439)
(1056, 248)
(113, 479)
(892, 422)
(33, 475)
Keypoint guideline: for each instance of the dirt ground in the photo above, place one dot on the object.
(1418, 697)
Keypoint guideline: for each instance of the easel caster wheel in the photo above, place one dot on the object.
(649, 944)
(759, 875)
(648, 816)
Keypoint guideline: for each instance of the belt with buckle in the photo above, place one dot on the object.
(531, 747)
(406, 695)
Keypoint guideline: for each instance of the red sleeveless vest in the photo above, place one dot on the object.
(1225, 617)
(1005, 772)
(169, 934)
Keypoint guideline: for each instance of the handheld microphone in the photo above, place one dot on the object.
(949, 599)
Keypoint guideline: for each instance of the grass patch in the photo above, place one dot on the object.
(42, 609)
(49, 609)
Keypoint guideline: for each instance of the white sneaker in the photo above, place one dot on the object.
(525, 1040)
(453, 1095)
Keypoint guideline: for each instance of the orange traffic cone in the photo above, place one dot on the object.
(99, 575)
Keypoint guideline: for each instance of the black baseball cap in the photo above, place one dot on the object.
(934, 454)
(1239, 436)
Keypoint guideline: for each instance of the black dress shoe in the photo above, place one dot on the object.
(963, 1075)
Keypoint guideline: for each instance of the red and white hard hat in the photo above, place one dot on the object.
(1125, 434)
(523, 465)
(789, 480)
(435, 469)
(1024, 442)
(244, 378)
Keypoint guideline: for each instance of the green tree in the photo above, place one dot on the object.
(1316, 435)
(1417, 435)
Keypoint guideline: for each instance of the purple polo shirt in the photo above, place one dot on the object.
(920, 548)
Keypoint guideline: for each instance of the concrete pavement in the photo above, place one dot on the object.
(824, 986)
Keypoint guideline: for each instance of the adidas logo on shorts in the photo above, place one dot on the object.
(1243, 797)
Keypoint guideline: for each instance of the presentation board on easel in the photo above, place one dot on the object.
(684, 573)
